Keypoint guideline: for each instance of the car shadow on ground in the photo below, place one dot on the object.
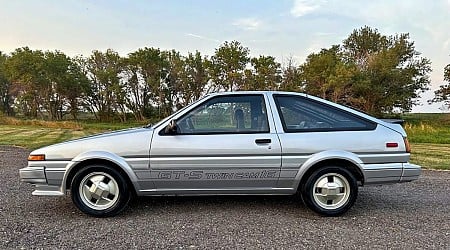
(371, 200)
(366, 204)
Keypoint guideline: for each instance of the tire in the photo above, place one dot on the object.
(100, 191)
(330, 191)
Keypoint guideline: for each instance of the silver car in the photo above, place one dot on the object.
(230, 143)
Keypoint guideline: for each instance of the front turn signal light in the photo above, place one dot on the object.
(36, 157)
(407, 146)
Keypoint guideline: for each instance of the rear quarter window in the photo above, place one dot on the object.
(301, 114)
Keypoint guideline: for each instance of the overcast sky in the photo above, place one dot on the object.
(281, 28)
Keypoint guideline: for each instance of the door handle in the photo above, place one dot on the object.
(262, 141)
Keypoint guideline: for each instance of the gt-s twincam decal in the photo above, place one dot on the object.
(207, 175)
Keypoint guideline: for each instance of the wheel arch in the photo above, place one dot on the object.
(355, 170)
(101, 158)
(344, 159)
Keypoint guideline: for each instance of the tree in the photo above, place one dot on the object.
(25, 68)
(443, 93)
(65, 85)
(6, 99)
(106, 95)
(196, 78)
(73, 88)
(391, 74)
(45, 84)
(291, 80)
(375, 73)
(174, 80)
(147, 70)
(227, 66)
(264, 75)
(328, 75)
(136, 89)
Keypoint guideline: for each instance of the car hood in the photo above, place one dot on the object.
(126, 142)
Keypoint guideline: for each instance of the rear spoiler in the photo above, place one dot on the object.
(394, 121)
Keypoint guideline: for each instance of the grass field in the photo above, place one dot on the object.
(34, 137)
(429, 135)
(429, 155)
(428, 128)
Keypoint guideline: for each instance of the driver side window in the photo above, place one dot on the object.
(226, 115)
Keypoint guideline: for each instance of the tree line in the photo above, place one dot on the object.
(369, 71)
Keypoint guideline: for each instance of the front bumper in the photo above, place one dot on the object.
(36, 175)
(33, 175)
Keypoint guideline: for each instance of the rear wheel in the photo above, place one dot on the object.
(100, 191)
(330, 190)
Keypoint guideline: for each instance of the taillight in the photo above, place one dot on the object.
(407, 146)
(391, 145)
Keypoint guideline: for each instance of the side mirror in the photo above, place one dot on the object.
(171, 128)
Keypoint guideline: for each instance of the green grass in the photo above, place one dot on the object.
(34, 134)
(432, 156)
(104, 126)
(440, 119)
(426, 133)
(428, 128)
(33, 137)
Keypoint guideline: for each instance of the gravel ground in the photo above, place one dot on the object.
(401, 216)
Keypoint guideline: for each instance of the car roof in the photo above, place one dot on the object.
(239, 92)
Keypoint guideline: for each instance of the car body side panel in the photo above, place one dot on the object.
(131, 153)
(301, 148)
(215, 161)
(365, 149)
(221, 161)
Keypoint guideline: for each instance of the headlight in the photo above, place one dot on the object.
(40, 157)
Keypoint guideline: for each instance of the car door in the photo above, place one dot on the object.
(225, 143)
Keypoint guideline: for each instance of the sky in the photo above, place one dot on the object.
(281, 28)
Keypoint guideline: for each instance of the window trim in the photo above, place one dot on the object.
(371, 125)
(162, 133)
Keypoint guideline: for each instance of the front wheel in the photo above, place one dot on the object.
(330, 191)
(100, 191)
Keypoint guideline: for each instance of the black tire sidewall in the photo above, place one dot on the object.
(124, 191)
(308, 188)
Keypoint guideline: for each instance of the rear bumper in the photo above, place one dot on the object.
(390, 173)
(411, 172)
